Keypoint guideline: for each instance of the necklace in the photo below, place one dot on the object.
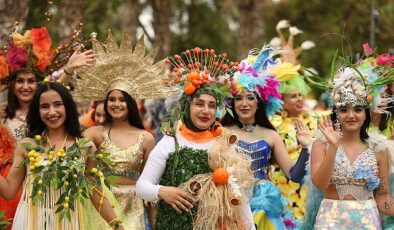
(247, 127)
(64, 142)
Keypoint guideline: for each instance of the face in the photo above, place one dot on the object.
(116, 105)
(202, 111)
(293, 103)
(245, 105)
(52, 110)
(99, 114)
(351, 118)
(25, 86)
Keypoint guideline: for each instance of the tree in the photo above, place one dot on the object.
(128, 18)
(11, 11)
(70, 14)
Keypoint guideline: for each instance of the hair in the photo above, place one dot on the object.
(133, 116)
(12, 101)
(261, 118)
(34, 121)
(364, 128)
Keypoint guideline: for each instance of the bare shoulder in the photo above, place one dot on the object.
(94, 131)
(148, 137)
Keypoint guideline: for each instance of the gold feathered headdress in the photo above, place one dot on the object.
(118, 67)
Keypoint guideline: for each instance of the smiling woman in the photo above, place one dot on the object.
(52, 143)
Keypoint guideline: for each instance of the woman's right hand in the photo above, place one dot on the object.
(333, 135)
(178, 199)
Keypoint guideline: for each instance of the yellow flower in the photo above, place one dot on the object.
(21, 40)
(79, 190)
(66, 183)
(100, 156)
(31, 153)
(285, 71)
(66, 198)
(36, 165)
(65, 205)
(75, 176)
(32, 167)
(39, 192)
(100, 174)
(32, 159)
(39, 181)
(37, 138)
(94, 170)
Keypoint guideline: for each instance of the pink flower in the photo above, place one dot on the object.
(17, 58)
(384, 59)
(270, 89)
(367, 49)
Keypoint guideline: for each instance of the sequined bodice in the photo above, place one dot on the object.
(260, 152)
(17, 127)
(125, 161)
(357, 179)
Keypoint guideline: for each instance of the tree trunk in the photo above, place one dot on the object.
(70, 14)
(128, 18)
(162, 11)
(251, 23)
(11, 11)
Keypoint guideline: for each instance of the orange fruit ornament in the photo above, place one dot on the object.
(193, 75)
(369, 98)
(189, 88)
(220, 176)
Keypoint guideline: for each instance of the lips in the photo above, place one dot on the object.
(25, 93)
(204, 119)
(244, 110)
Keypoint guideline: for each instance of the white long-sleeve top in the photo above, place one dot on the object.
(147, 186)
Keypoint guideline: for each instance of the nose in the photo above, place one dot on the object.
(351, 113)
(51, 110)
(25, 84)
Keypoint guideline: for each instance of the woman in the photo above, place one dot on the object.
(182, 153)
(122, 135)
(53, 128)
(255, 95)
(350, 168)
(22, 77)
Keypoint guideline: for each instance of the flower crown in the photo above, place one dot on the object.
(252, 75)
(360, 84)
(28, 52)
(196, 67)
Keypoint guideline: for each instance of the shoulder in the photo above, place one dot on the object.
(94, 132)
(148, 138)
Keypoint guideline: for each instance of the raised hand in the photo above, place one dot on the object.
(333, 135)
(303, 134)
(178, 199)
(79, 59)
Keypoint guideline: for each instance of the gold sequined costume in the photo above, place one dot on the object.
(127, 162)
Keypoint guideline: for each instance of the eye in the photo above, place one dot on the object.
(44, 106)
(358, 109)
(237, 98)
(58, 103)
(342, 110)
(212, 105)
(111, 99)
(32, 80)
(251, 98)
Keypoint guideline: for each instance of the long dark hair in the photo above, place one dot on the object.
(260, 117)
(12, 101)
(364, 128)
(133, 116)
(34, 121)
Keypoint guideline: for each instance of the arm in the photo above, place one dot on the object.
(105, 208)
(94, 134)
(280, 153)
(382, 195)
(245, 216)
(147, 185)
(77, 60)
(149, 143)
(323, 154)
(9, 187)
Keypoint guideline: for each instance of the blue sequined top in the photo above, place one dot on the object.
(260, 152)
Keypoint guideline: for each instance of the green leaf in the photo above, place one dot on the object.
(332, 69)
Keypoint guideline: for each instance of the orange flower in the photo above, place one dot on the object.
(44, 60)
(40, 39)
(4, 71)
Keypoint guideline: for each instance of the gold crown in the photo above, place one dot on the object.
(118, 67)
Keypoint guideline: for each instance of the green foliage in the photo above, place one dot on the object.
(64, 171)
(3, 222)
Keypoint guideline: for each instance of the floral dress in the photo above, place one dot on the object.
(294, 193)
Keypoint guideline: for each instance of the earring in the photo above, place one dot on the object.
(283, 113)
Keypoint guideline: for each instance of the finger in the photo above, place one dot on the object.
(176, 208)
(77, 50)
(185, 203)
(186, 196)
(88, 52)
(181, 206)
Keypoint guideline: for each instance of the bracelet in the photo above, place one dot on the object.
(65, 71)
(115, 223)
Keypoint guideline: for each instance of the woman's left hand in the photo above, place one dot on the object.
(303, 134)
